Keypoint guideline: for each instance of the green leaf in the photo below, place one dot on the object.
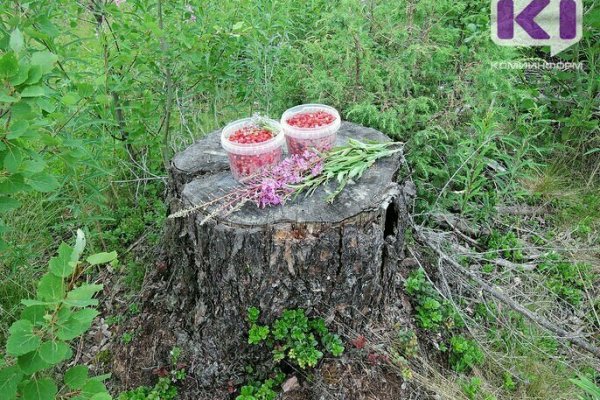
(85, 315)
(30, 303)
(22, 75)
(22, 110)
(82, 296)
(92, 387)
(54, 352)
(61, 265)
(43, 182)
(72, 324)
(4, 98)
(101, 378)
(22, 339)
(35, 314)
(51, 288)
(42, 389)
(12, 184)
(102, 258)
(17, 129)
(16, 40)
(9, 380)
(31, 363)
(13, 160)
(8, 204)
(34, 75)
(70, 99)
(45, 60)
(33, 91)
(76, 376)
(8, 65)
(70, 329)
(101, 396)
(34, 166)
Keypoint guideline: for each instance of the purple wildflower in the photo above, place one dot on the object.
(317, 169)
(269, 187)
(268, 193)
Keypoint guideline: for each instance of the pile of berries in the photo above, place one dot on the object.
(251, 134)
(243, 166)
(311, 119)
(299, 146)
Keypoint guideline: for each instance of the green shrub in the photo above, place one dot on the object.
(296, 337)
(432, 312)
(62, 310)
(261, 390)
(464, 354)
(567, 280)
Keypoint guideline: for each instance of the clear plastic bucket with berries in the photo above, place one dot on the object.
(310, 127)
(252, 144)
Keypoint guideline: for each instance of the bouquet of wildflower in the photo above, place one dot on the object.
(296, 175)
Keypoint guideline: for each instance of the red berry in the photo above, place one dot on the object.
(311, 119)
(248, 135)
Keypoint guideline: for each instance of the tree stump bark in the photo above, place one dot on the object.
(338, 261)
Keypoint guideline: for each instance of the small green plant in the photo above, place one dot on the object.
(464, 354)
(295, 336)
(127, 337)
(114, 320)
(62, 310)
(507, 246)
(565, 279)
(432, 311)
(590, 388)
(262, 390)
(508, 382)
(165, 388)
(174, 355)
(408, 343)
(134, 309)
(472, 388)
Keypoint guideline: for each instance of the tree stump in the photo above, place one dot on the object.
(338, 260)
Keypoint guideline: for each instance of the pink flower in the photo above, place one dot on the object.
(192, 18)
(119, 2)
(269, 187)
(269, 195)
(317, 169)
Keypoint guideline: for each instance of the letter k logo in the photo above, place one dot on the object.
(554, 23)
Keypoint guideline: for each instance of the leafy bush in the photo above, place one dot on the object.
(295, 336)
(433, 312)
(63, 309)
(464, 354)
(261, 390)
(163, 390)
(567, 280)
(507, 246)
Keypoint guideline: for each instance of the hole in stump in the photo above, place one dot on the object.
(391, 221)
